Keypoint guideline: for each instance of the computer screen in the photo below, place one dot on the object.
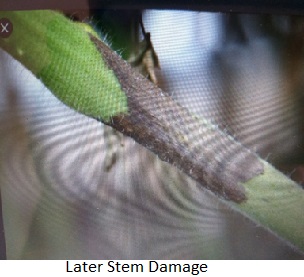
(151, 131)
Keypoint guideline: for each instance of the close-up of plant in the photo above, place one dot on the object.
(189, 154)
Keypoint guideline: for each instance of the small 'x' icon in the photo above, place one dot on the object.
(6, 27)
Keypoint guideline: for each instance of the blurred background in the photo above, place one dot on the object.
(63, 199)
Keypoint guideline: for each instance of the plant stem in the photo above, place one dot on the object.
(90, 78)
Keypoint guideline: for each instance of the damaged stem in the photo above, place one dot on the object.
(90, 78)
(176, 136)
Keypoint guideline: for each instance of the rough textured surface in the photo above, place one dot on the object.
(178, 137)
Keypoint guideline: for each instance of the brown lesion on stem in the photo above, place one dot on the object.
(176, 136)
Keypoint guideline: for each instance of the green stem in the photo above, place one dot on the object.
(60, 53)
(277, 203)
